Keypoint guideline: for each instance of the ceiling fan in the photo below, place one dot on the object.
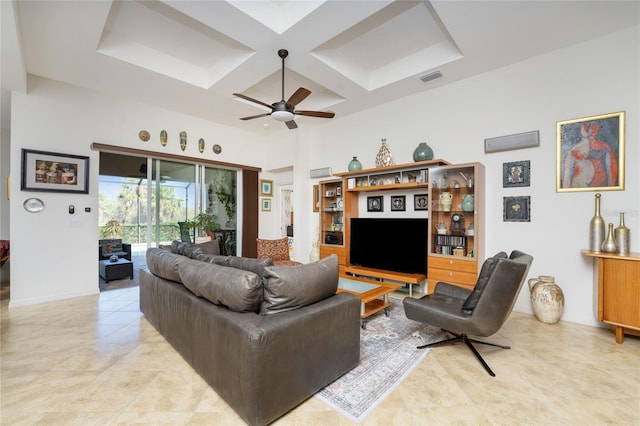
(284, 110)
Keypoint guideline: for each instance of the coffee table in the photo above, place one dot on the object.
(374, 295)
(109, 270)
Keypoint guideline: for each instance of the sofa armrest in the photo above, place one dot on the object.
(268, 364)
(126, 247)
(451, 290)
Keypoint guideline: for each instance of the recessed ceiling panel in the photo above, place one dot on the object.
(278, 15)
(157, 37)
(408, 38)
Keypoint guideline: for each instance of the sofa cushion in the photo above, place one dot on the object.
(292, 287)
(487, 269)
(247, 263)
(164, 263)
(238, 290)
(188, 249)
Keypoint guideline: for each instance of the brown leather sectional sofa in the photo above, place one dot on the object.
(264, 337)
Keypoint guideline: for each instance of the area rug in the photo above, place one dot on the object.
(388, 354)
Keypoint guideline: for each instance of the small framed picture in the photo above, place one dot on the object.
(516, 174)
(374, 204)
(266, 187)
(420, 202)
(265, 204)
(330, 193)
(54, 172)
(398, 203)
(517, 209)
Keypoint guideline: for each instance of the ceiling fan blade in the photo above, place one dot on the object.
(240, 95)
(251, 117)
(320, 114)
(291, 124)
(298, 96)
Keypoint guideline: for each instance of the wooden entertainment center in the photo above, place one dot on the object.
(411, 190)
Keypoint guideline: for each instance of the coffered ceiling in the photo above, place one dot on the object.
(191, 56)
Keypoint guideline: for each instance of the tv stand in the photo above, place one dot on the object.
(381, 274)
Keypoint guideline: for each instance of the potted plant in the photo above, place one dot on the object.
(206, 222)
(112, 229)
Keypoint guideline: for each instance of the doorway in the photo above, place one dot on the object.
(142, 201)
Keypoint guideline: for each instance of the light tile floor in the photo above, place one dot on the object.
(96, 360)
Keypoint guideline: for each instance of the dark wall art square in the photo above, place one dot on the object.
(516, 174)
(398, 203)
(517, 209)
(374, 204)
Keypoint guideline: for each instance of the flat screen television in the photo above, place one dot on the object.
(392, 244)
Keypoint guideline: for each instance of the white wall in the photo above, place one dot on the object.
(597, 77)
(54, 253)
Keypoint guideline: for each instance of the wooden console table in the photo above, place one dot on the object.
(618, 292)
(405, 278)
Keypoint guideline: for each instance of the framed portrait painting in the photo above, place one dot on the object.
(54, 172)
(266, 187)
(590, 153)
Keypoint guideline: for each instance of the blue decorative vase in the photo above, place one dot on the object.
(355, 165)
(423, 152)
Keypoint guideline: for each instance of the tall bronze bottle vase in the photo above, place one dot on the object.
(622, 236)
(596, 229)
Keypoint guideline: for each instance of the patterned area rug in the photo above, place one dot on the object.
(387, 355)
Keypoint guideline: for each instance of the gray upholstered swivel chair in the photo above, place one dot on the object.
(478, 312)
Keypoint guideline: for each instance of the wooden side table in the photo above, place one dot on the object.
(618, 292)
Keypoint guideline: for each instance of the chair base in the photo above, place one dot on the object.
(468, 341)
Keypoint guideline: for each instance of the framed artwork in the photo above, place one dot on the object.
(420, 202)
(516, 174)
(266, 187)
(517, 209)
(398, 203)
(54, 172)
(374, 204)
(265, 204)
(316, 198)
(590, 153)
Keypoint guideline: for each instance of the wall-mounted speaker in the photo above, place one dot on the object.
(516, 141)
(320, 173)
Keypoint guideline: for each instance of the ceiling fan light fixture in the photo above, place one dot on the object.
(282, 115)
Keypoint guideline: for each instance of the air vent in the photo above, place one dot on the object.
(431, 76)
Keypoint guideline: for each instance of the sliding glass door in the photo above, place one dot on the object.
(149, 198)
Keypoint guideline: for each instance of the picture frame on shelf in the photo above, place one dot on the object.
(375, 204)
(420, 202)
(265, 204)
(516, 209)
(398, 203)
(54, 172)
(516, 174)
(266, 187)
(590, 153)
